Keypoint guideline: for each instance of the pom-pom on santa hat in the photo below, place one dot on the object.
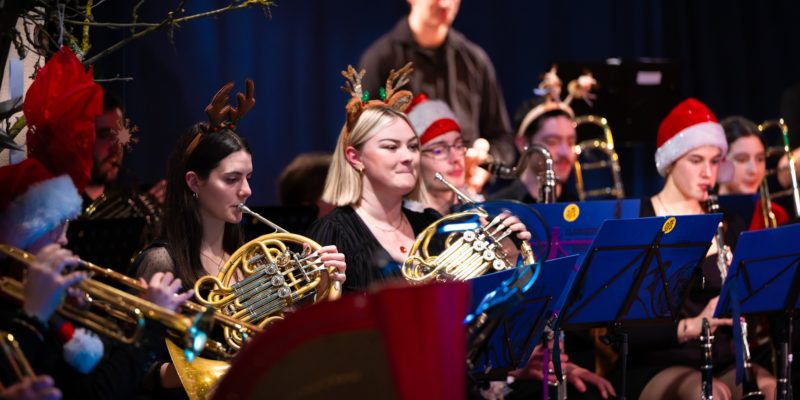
(60, 109)
(44, 190)
(431, 118)
(689, 125)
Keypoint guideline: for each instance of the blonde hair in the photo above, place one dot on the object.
(344, 185)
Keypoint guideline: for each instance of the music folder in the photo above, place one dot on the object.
(399, 342)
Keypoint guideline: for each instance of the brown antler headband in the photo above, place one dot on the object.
(389, 94)
(223, 115)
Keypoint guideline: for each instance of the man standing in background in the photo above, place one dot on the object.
(447, 66)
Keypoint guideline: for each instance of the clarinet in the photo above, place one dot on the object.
(708, 368)
(750, 389)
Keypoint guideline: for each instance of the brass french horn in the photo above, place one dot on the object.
(467, 254)
(271, 277)
(259, 281)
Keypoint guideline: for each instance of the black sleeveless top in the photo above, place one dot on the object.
(367, 261)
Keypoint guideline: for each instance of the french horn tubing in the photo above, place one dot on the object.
(273, 278)
(467, 254)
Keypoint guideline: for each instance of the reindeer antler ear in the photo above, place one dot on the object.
(397, 79)
(352, 85)
(220, 112)
(246, 102)
(399, 100)
(218, 109)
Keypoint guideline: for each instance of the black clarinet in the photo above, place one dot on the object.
(708, 367)
(750, 389)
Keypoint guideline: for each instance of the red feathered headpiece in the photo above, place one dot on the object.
(60, 109)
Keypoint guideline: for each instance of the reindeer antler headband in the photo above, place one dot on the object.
(550, 90)
(389, 94)
(223, 115)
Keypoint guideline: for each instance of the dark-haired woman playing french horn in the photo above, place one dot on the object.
(207, 180)
(375, 167)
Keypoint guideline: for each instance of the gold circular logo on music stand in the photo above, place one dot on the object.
(669, 225)
(571, 212)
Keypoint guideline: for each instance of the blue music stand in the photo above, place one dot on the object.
(764, 278)
(637, 271)
(572, 232)
(527, 303)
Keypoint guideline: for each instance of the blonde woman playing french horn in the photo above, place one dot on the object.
(207, 178)
(375, 167)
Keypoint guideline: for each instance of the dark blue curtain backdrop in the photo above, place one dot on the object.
(735, 55)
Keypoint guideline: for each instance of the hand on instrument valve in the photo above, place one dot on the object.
(39, 387)
(515, 226)
(45, 284)
(163, 290)
(691, 328)
(331, 258)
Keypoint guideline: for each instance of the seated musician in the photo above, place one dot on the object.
(747, 154)
(442, 149)
(40, 194)
(665, 363)
(375, 167)
(549, 122)
(208, 176)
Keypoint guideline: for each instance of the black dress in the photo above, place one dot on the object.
(655, 348)
(367, 261)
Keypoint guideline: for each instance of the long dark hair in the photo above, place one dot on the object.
(736, 127)
(182, 225)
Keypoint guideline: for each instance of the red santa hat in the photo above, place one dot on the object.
(34, 202)
(431, 118)
(44, 190)
(689, 125)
